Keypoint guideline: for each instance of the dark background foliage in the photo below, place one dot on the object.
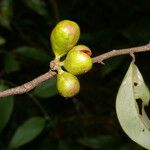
(88, 121)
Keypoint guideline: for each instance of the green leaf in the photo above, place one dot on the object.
(46, 89)
(137, 31)
(69, 146)
(38, 6)
(4, 22)
(132, 117)
(100, 142)
(63, 146)
(33, 53)
(6, 108)
(2, 40)
(27, 132)
(6, 13)
(127, 146)
(10, 63)
(110, 66)
(47, 144)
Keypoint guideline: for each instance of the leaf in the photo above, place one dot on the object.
(47, 144)
(6, 108)
(33, 53)
(46, 89)
(2, 40)
(69, 146)
(11, 64)
(132, 118)
(38, 6)
(6, 13)
(27, 132)
(127, 146)
(63, 146)
(110, 66)
(100, 142)
(137, 30)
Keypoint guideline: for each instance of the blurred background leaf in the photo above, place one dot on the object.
(67, 146)
(39, 6)
(26, 132)
(101, 142)
(25, 53)
(111, 65)
(2, 40)
(6, 9)
(6, 108)
(11, 64)
(33, 53)
(47, 89)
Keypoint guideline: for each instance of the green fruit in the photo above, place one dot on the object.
(67, 84)
(78, 60)
(64, 36)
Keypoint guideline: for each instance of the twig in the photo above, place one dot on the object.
(98, 59)
(28, 86)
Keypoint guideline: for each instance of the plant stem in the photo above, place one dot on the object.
(98, 59)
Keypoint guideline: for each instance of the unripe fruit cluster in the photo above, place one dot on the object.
(63, 39)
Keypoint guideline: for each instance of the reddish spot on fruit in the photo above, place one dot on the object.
(88, 52)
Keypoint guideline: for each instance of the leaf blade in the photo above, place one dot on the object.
(133, 123)
(28, 131)
(11, 64)
(33, 53)
(6, 108)
(46, 89)
(38, 6)
(6, 13)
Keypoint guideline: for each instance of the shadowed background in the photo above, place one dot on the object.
(87, 121)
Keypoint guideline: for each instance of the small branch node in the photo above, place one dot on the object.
(54, 65)
(101, 62)
(114, 51)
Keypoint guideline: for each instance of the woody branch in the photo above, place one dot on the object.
(98, 59)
